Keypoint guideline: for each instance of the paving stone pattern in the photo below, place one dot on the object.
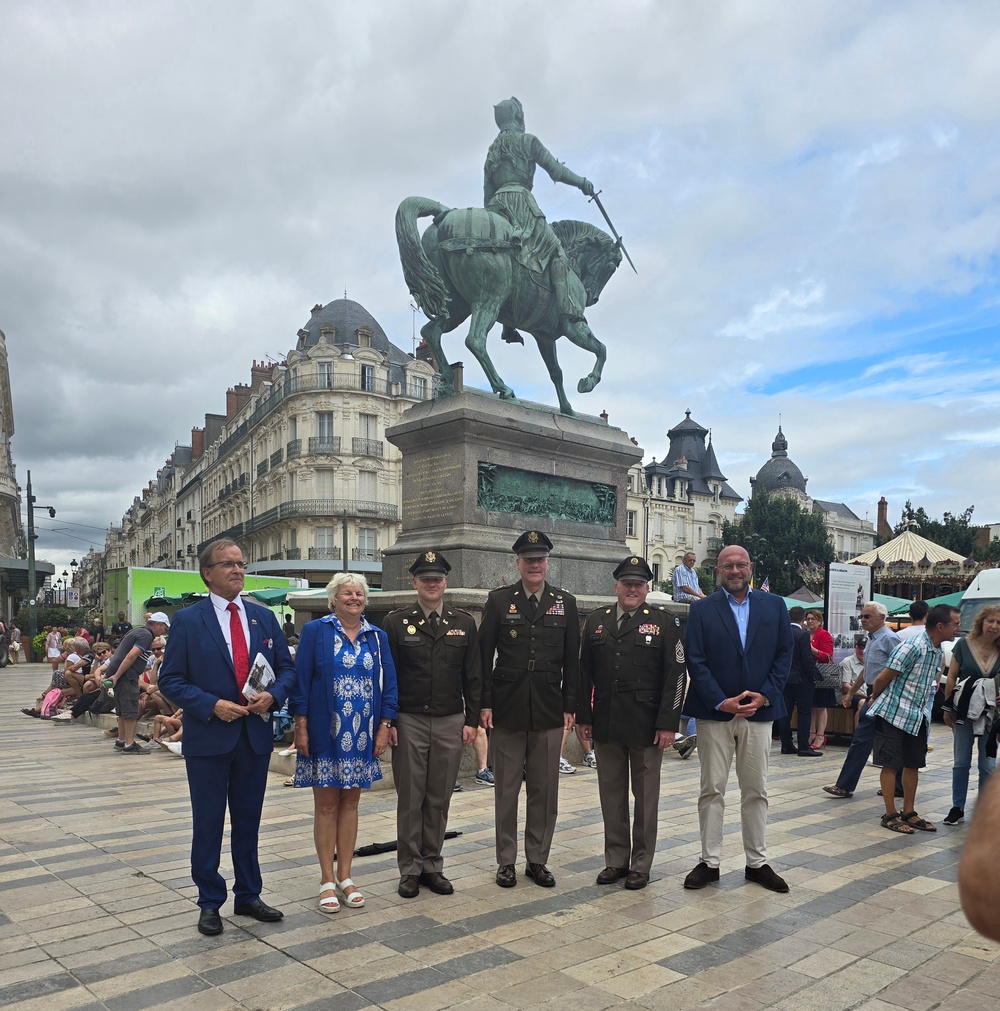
(97, 910)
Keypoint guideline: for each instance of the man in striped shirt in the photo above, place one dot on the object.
(900, 694)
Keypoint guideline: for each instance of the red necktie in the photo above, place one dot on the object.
(241, 656)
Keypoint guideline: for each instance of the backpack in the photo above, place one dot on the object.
(50, 704)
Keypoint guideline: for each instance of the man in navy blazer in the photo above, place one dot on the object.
(739, 650)
(228, 738)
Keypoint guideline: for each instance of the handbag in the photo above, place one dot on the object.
(833, 675)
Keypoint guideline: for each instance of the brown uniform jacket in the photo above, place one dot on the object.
(436, 674)
(636, 675)
(531, 667)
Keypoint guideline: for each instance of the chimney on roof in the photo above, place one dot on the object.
(197, 443)
(260, 372)
(882, 527)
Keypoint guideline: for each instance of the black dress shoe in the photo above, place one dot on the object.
(636, 880)
(702, 875)
(409, 886)
(540, 874)
(810, 753)
(611, 874)
(789, 751)
(506, 876)
(763, 875)
(209, 922)
(259, 910)
(437, 882)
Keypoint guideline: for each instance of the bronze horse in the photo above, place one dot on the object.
(466, 264)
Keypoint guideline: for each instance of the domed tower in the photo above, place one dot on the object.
(780, 476)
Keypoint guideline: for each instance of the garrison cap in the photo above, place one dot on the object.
(634, 567)
(430, 563)
(532, 544)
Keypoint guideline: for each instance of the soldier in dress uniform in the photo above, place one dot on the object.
(632, 659)
(439, 674)
(530, 643)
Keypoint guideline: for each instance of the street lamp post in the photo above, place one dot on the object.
(65, 583)
(32, 602)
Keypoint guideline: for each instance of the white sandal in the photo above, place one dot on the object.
(355, 900)
(329, 904)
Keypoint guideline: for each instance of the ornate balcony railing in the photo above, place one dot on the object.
(368, 447)
(325, 444)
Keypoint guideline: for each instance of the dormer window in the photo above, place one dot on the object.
(364, 337)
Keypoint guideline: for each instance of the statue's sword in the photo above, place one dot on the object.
(621, 245)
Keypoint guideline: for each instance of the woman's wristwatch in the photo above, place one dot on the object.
(385, 723)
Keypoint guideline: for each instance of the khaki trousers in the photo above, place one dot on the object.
(425, 765)
(531, 756)
(718, 742)
(616, 764)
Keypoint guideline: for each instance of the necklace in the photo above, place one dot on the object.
(985, 657)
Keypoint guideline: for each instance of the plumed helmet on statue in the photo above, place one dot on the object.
(509, 113)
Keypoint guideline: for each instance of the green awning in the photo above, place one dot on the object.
(273, 597)
(951, 599)
(158, 603)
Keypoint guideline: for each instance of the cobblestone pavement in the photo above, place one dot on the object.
(97, 910)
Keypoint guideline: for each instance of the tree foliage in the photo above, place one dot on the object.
(779, 537)
(953, 532)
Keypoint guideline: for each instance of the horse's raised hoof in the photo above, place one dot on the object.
(587, 384)
(506, 393)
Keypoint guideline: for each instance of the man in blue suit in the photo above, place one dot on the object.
(227, 737)
(739, 650)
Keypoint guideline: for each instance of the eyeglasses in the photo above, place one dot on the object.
(735, 567)
(228, 566)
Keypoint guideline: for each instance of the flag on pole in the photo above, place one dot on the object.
(765, 587)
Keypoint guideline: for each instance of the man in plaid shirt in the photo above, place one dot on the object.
(900, 695)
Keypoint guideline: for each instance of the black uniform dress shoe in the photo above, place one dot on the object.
(763, 875)
(540, 874)
(506, 876)
(259, 910)
(209, 922)
(789, 751)
(409, 886)
(702, 875)
(810, 753)
(437, 882)
(611, 874)
(636, 880)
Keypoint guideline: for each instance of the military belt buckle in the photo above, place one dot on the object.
(531, 665)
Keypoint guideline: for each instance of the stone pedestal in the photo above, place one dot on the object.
(477, 471)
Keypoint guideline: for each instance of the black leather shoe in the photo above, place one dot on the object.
(437, 882)
(209, 922)
(789, 751)
(763, 875)
(540, 874)
(636, 880)
(810, 753)
(259, 910)
(506, 876)
(702, 875)
(409, 886)
(611, 874)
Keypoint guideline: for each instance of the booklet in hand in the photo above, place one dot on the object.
(261, 677)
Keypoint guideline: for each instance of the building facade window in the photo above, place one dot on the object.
(368, 378)
(367, 486)
(630, 522)
(324, 426)
(325, 539)
(368, 426)
(367, 543)
(325, 375)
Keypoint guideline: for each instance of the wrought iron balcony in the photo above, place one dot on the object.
(293, 449)
(368, 447)
(324, 554)
(324, 444)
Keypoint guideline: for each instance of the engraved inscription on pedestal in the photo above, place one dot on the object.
(431, 498)
(512, 490)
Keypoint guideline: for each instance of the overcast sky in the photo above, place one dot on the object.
(810, 192)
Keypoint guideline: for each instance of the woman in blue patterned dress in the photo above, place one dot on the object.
(344, 703)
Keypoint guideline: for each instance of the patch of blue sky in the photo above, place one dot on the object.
(960, 335)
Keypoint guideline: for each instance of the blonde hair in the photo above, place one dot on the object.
(977, 623)
(345, 579)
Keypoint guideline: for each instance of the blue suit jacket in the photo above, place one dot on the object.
(720, 667)
(197, 671)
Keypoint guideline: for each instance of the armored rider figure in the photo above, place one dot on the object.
(507, 180)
